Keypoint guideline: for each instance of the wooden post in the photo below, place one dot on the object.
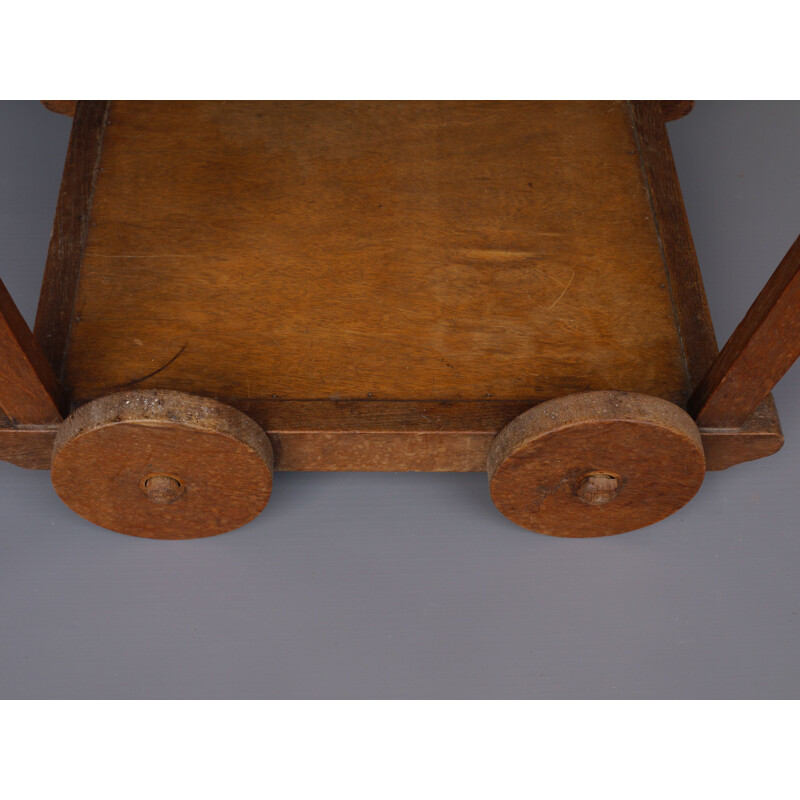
(29, 391)
(758, 354)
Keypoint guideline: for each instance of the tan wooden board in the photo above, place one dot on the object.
(373, 251)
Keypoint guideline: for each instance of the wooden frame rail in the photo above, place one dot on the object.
(758, 354)
(29, 391)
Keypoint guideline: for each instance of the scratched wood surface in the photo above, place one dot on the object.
(162, 465)
(451, 437)
(596, 464)
(373, 251)
(29, 391)
(54, 316)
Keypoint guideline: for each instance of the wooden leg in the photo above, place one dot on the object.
(756, 357)
(162, 465)
(29, 391)
(596, 464)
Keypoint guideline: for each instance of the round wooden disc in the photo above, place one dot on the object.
(162, 464)
(596, 464)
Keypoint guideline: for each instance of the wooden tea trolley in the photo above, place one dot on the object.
(509, 287)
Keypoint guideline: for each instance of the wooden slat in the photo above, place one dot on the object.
(760, 351)
(29, 391)
(371, 416)
(70, 228)
(386, 439)
(689, 297)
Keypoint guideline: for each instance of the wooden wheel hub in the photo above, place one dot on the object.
(596, 464)
(162, 465)
(163, 489)
(598, 488)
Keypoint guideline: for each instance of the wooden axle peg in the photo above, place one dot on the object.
(598, 488)
(162, 489)
(596, 464)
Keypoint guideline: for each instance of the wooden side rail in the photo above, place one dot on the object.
(758, 354)
(29, 391)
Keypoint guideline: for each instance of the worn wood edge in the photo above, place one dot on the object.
(68, 237)
(381, 416)
(651, 448)
(557, 415)
(28, 447)
(32, 448)
(759, 437)
(683, 270)
(761, 434)
(29, 391)
(758, 354)
(405, 441)
(66, 107)
(217, 459)
(165, 407)
(675, 109)
(671, 109)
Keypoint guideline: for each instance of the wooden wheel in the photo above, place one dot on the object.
(595, 464)
(163, 465)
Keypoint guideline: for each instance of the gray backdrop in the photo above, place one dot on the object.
(355, 585)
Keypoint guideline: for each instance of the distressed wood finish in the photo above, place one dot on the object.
(760, 436)
(381, 443)
(686, 283)
(115, 458)
(375, 251)
(751, 438)
(29, 391)
(211, 267)
(758, 354)
(27, 447)
(596, 464)
(70, 228)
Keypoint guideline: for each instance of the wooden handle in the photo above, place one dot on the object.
(29, 390)
(758, 354)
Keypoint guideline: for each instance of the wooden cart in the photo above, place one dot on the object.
(237, 287)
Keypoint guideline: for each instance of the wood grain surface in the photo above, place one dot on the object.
(30, 448)
(29, 391)
(686, 283)
(111, 455)
(760, 436)
(375, 283)
(70, 229)
(647, 451)
(397, 440)
(360, 250)
(758, 354)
